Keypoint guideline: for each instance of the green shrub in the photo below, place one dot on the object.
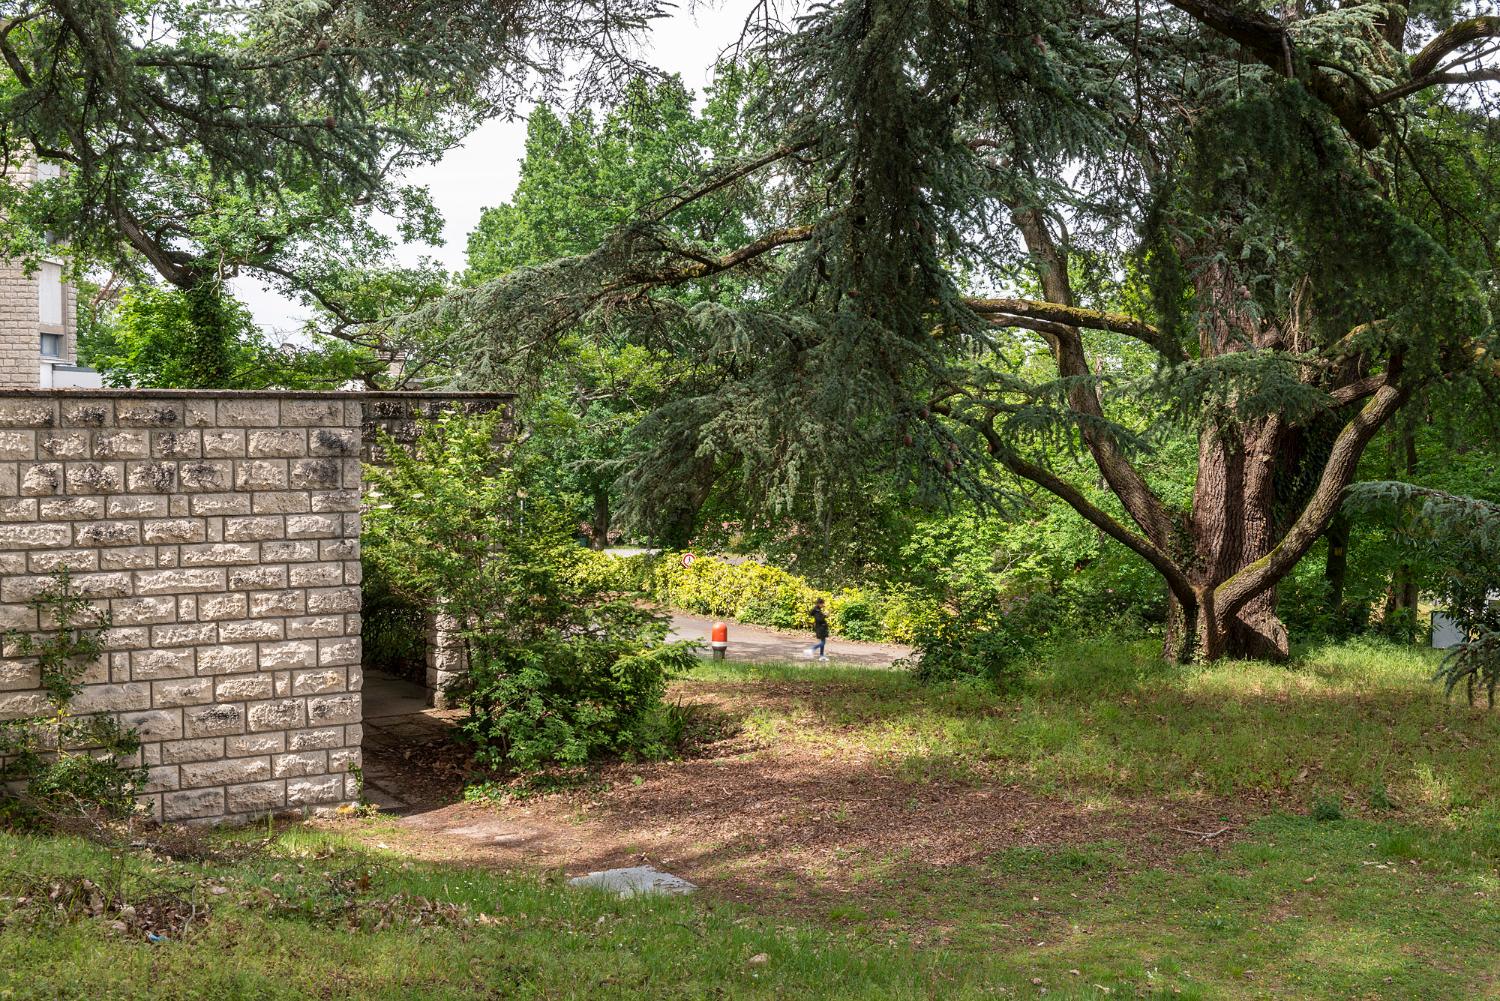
(393, 627)
(978, 641)
(57, 763)
(562, 666)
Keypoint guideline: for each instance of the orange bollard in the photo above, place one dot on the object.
(719, 639)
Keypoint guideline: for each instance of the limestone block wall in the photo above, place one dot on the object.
(221, 531)
(20, 350)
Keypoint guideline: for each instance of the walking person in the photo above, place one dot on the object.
(820, 630)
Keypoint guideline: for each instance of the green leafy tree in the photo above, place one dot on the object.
(150, 338)
(581, 178)
(1275, 188)
(561, 666)
(200, 141)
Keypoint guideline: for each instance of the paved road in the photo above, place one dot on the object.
(757, 643)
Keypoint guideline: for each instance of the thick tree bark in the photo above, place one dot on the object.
(599, 525)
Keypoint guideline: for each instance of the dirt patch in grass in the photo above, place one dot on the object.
(802, 827)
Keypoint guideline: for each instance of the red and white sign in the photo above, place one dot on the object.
(688, 559)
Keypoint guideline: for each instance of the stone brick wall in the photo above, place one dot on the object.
(20, 349)
(221, 530)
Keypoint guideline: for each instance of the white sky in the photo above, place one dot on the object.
(483, 171)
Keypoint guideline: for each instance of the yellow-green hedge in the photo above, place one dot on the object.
(755, 593)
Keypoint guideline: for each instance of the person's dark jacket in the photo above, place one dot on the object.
(820, 623)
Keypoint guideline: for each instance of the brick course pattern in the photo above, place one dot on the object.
(222, 533)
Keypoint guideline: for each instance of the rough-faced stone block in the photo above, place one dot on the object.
(315, 575)
(283, 714)
(256, 797)
(149, 665)
(180, 581)
(107, 533)
(182, 692)
(192, 804)
(96, 477)
(173, 531)
(300, 763)
(88, 414)
(148, 414)
(184, 634)
(218, 554)
(322, 738)
(206, 475)
(112, 698)
(161, 778)
(215, 607)
(70, 508)
(254, 529)
(265, 604)
(335, 501)
(128, 558)
(151, 477)
(201, 749)
(258, 578)
(17, 508)
(320, 791)
(317, 682)
(311, 526)
(27, 414)
(338, 652)
(213, 505)
(17, 445)
(121, 445)
(177, 444)
(126, 611)
(243, 687)
(333, 709)
(221, 444)
(36, 536)
(341, 550)
(213, 721)
(343, 759)
(41, 479)
(250, 630)
(337, 443)
(281, 443)
(322, 601)
(63, 445)
(304, 627)
(226, 771)
(315, 474)
(281, 502)
(280, 551)
(126, 638)
(255, 743)
(16, 704)
(287, 655)
(157, 725)
(248, 413)
(50, 561)
(311, 413)
(228, 659)
(260, 474)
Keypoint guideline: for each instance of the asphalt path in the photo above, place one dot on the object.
(758, 643)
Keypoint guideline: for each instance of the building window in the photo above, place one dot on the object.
(52, 345)
(49, 291)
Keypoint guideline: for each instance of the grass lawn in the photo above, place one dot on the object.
(1359, 857)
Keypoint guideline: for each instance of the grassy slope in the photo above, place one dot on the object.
(1394, 903)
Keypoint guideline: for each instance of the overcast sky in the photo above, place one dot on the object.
(484, 170)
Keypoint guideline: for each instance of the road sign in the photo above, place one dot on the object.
(688, 559)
